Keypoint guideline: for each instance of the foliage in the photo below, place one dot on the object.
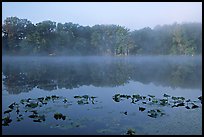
(21, 37)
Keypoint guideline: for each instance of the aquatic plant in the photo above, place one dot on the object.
(154, 113)
(8, 111)
(163, 102)
(200, 98)
(194, 106)
(141, 109)
(116, 97)
(85, 99)
(152, 96)
(137, 96)
(59, 116)
(6, 120)
(130, 132)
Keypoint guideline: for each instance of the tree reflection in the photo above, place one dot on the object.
(23, 76)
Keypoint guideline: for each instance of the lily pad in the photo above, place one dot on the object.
(59, 116)
(194, 106)
(137, 96)
(141, 109)
(77, 97)
(165, 95)
(130, 132)
(32, 105)
(37, 120)
(6, 121)
(155, 113)
(152, 96)
(8, 111)
(12, 105)
(116, 97)
(200, 98)
(33, 116)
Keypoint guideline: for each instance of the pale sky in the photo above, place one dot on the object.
(132, 15)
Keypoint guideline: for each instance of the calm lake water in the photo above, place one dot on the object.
(102, 95)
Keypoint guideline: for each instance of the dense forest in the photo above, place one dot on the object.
(22, 37)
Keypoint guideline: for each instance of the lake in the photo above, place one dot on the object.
(142, 95)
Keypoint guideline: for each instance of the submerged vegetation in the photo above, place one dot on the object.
(22, 37)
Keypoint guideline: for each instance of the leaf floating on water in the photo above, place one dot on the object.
(165, 95)
(77, 97)
(65, 100)
(152, 96)
(33, 116)
(163, 102)
(19, 119)
(116, 97)
(32, 105)
(59, 116)
(141, 109)
(93, 97)
(41, 99)
(12, 105)
(6, 121)
(48, 98)
(85, 96)
(77, 125)
(34, 111)
(194, 106)
(155, 113)
(8, 111)
(174, 98)
(80, 102)
(144, 102)
(137, 96)
(23, 101)
(63, 117)
(200, 98)
(181, 98)
(154, 101)
(54, 97)
(37, 120)
(130, 132)
(180, 104)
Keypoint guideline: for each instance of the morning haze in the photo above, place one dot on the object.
(133, 15)
(100, 68)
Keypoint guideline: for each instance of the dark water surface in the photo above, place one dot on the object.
(111, 86)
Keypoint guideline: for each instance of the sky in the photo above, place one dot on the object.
(132, 15)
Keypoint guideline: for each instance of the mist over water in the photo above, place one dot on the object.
(103, 77)
(170, 71)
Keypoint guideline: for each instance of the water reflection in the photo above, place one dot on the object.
(24, 74)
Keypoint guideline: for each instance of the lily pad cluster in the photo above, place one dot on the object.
(31, 107)
(154, 113)
(151, 100)
(28, 106)
(85, 99)
(36, 117)
(59, 116)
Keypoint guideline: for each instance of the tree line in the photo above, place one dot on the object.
(22, 37)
